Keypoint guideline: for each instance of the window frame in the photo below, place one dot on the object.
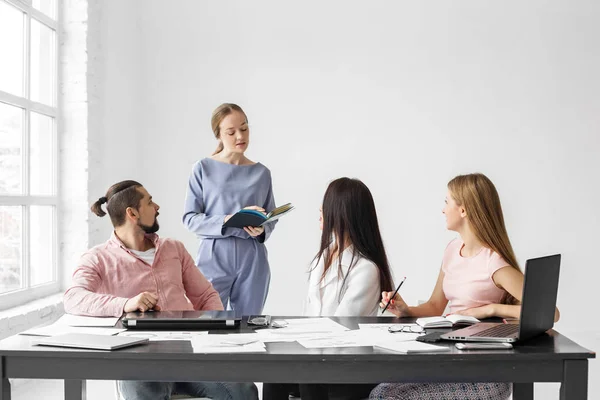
(27, 292)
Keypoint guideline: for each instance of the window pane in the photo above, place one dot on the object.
(11, 49)
(42, 63)
(48, 7)
(10, 248)
(41, 257)
(11, 133)
(41, 155)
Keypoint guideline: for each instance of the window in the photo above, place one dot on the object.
(28, 150)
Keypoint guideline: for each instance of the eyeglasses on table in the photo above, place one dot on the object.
(406, 328)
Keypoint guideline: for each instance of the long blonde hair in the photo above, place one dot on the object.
(478, 195)
(217, 117)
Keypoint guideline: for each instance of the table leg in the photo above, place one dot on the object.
(75, 389)
(4, 382)
(575, 380)
(523, 391)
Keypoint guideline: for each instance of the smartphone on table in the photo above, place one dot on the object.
(259, 320)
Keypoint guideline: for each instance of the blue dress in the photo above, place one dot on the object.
(233, 261)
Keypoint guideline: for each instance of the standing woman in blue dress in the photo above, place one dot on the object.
(234, 260)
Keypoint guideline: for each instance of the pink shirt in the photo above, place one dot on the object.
(468, 280)
(110, 274)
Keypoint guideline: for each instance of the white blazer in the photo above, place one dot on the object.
(359, 296)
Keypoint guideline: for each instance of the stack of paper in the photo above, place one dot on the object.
(231, 343)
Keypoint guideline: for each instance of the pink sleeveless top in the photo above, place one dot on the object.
(468, 280)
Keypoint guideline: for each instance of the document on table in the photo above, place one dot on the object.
(337, 339)
(301, 328)
(311, 325)
(157, 336)
(382, 327)
(231, 343)
(355, 338)
(411, 347)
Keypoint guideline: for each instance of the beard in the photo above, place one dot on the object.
(149, 228)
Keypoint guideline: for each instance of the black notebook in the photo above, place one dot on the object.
(255, 218)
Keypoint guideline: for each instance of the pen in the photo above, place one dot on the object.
(394, 295)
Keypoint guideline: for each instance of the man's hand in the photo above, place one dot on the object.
(143, 302)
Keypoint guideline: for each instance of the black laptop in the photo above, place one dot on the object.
(181, 320)
(540, 290)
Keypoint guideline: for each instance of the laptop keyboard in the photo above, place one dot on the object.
(503, 330)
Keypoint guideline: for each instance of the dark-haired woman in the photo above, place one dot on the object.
(347, 275)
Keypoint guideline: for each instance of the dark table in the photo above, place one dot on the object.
(548, 358)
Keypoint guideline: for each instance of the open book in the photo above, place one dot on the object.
(255, 218)
(446, 322)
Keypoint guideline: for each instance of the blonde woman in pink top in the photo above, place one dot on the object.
(479, 277)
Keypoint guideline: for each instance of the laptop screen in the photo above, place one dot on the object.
(540, 290)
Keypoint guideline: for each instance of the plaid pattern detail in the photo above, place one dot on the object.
(442, 391)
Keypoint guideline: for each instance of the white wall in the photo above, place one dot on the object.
(115, 143)
(401, 95)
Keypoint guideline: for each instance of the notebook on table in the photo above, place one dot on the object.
(538, 304)
(89, 341)
(446, 322)
(181, 320)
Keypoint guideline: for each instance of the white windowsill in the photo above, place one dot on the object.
(28, 315)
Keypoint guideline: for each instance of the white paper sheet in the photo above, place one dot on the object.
(381, 327)
(339, 339)
(355, 338)
(157, 336)
(248, 348)
(411, 347)
(301, 328)
(231, 343)
(312, 325)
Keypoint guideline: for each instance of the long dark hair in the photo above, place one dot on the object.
(119, 197)
(349, 216)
